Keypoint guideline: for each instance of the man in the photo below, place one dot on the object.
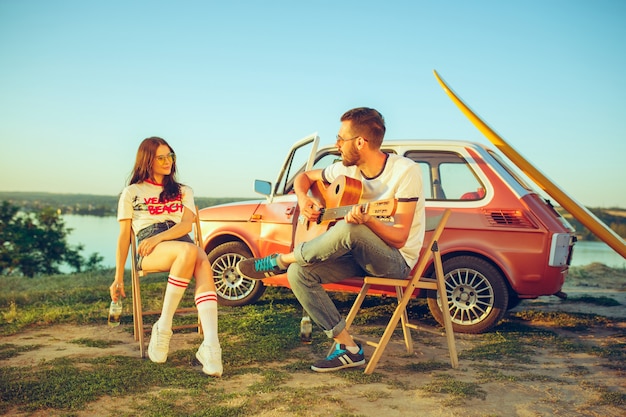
(358, 245)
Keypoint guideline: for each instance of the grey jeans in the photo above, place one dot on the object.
(345, 250)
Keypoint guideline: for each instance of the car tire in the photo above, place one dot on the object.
(476, 292)
(233, 289)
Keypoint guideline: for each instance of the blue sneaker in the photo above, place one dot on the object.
(339, 359)
(259, 268)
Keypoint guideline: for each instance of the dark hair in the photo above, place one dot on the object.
(368, 123)
(142, 171)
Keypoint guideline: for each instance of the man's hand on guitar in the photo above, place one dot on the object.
(311, 209)
(357, 215)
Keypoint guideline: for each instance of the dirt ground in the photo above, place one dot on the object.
(565, 384)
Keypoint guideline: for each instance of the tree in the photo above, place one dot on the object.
(36, 243)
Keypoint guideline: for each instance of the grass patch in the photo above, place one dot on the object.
(446, 384)
(54, 384)
(607, 396)
(262, 352)
(428, 366)
(97, 343)
(500, 345)
(603, 301)
(569, 321)
(9, 350)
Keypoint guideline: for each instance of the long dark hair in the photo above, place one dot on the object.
(142, 171)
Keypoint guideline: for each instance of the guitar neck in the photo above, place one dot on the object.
(334, 213)
(377, 208)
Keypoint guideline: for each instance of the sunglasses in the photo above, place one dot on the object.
(171, 157)
(341, 141)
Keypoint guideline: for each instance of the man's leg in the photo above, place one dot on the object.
(367, 250)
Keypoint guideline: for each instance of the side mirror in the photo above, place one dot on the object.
(263, 187)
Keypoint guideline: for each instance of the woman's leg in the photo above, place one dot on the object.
(206, 298)
(179, 258)
(210, 353)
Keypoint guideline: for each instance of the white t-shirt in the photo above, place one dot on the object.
(401, 178)
(140, 202)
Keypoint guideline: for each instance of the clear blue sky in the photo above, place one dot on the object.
(231, 85)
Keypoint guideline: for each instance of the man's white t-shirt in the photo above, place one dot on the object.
(401, 178)
(140, 202)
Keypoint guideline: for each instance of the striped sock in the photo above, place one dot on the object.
(174, 292)
(206, 302)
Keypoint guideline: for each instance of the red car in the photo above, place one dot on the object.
(503, 242)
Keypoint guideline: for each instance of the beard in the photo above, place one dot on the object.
(351, 157)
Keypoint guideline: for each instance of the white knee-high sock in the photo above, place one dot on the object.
(174, 292)
(206, 302)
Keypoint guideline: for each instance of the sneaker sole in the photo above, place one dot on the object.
(269, 274)
(150, 354)
(216, 374)
(348, 365)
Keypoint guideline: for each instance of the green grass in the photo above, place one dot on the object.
(256, 341)
(599, 301)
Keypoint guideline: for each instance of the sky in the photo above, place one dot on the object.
(231, 85)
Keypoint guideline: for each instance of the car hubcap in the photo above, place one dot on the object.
(228, 283)
(470, 296)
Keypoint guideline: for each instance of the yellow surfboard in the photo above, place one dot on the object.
(587, 218)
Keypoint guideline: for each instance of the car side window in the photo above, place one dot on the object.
(297, 166)
(296, 162)
(447, 176)
(326, 160)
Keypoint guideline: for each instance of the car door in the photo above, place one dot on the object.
(278, 215)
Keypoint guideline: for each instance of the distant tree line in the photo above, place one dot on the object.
(103, 205)
(35, 243)
(83, 204)
(614, 218)
(33, 235)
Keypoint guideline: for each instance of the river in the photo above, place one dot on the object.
(99, 234)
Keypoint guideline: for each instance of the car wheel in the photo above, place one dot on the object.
(476, 292)
(233, 289)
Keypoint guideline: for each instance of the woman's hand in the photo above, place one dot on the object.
(116, 289)
(147, 245)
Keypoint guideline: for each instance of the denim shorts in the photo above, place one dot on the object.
(155, 229)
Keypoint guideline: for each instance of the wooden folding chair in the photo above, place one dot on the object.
(138, 313)
(404, 291)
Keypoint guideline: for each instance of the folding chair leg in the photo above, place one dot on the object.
(138, 315)
(357, 305)
(404, 319)
(445, 311)
(391, 327)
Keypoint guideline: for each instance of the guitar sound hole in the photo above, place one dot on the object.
(338, 189)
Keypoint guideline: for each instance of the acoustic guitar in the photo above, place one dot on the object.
(338, 199)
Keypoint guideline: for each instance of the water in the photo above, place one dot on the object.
(589, 252)
(96, 234)
(99, 234)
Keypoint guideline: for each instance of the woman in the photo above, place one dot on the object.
(161, 212)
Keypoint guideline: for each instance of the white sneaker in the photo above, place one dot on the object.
(211, 359)
(159, 344)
